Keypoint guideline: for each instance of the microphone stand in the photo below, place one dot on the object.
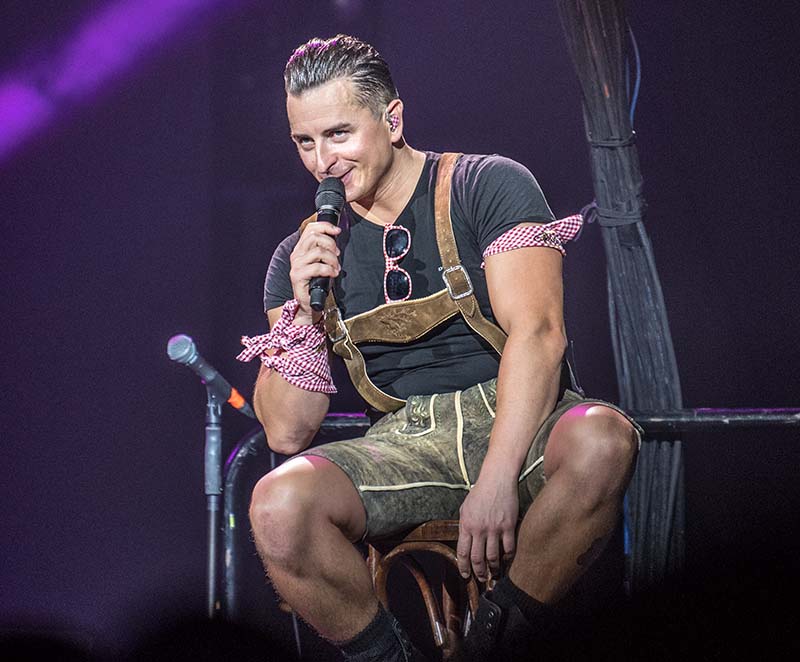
(213, 490)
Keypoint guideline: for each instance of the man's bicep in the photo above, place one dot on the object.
(273, 315)
(525, 289)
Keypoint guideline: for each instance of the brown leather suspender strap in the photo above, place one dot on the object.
(455, 276)
(345, 346)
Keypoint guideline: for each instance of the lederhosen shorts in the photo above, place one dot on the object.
(419, 463)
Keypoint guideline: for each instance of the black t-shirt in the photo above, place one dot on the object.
(490, 195)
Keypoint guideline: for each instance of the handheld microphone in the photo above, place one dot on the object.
(182, 349)
(329, 201)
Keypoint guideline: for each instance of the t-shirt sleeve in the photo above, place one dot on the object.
(277, 285)
(497, 194)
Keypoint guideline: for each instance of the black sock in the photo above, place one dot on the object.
(505, 593)
(380, 640)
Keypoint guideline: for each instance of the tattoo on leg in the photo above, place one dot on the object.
(591, 554)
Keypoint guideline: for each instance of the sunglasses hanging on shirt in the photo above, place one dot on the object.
(396, 281)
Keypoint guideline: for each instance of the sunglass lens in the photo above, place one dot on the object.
(396, 243)
(397, 285)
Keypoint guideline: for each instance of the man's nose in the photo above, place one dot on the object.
(326, 158)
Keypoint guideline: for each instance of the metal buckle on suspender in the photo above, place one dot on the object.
(341, 329)
(460, 295)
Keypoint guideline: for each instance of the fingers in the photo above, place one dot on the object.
(463, 549)
(471, 555)
(509, 546)
(318, 244)
(319, 234)
(319, 230)
(316, 262)
(484, 554)
(477, 558)
(316, 255)
(489, 553)
(493, 554)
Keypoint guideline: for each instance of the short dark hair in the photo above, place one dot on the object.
(320, 61)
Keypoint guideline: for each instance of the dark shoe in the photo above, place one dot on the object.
(382, 640)
(410, 653)
(499, 635)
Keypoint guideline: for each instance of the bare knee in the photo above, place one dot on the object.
(597, 446)
(293, 506)
(611, 440)
(281, 510)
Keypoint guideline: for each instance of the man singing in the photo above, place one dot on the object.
(446, 301)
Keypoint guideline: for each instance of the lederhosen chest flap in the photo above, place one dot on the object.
(407, 321)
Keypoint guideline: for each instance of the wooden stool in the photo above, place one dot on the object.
(459, 596)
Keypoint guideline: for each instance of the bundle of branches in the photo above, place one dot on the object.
(597, 34)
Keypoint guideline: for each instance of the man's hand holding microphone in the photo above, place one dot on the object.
(315, 258)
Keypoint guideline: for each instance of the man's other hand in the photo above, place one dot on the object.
(487, 527)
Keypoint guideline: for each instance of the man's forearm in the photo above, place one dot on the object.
(527, 389)
(290, 415)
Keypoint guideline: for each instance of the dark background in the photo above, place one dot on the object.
(152, 209)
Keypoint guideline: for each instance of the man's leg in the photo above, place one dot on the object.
(305, 517)
(588, 462)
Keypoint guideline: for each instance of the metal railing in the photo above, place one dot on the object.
(253, 447)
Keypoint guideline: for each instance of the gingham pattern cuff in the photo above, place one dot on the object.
(301, 355)
(550, 235)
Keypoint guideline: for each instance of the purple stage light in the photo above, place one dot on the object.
(23, 111)
(102, 48)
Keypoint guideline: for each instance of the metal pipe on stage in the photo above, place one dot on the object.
(685, 420)
(213, 491)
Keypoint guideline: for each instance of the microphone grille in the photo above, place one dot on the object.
(330, 192)
(181, 348)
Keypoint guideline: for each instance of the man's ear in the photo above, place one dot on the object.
(394, 119)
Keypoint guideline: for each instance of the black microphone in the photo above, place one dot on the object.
(329, 201)
(182, 349)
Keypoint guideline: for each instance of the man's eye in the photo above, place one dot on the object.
(339, 134)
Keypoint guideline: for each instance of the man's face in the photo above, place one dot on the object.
(337, 137)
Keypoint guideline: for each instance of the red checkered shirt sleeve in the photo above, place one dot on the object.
(552, 235)
(301, 355)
